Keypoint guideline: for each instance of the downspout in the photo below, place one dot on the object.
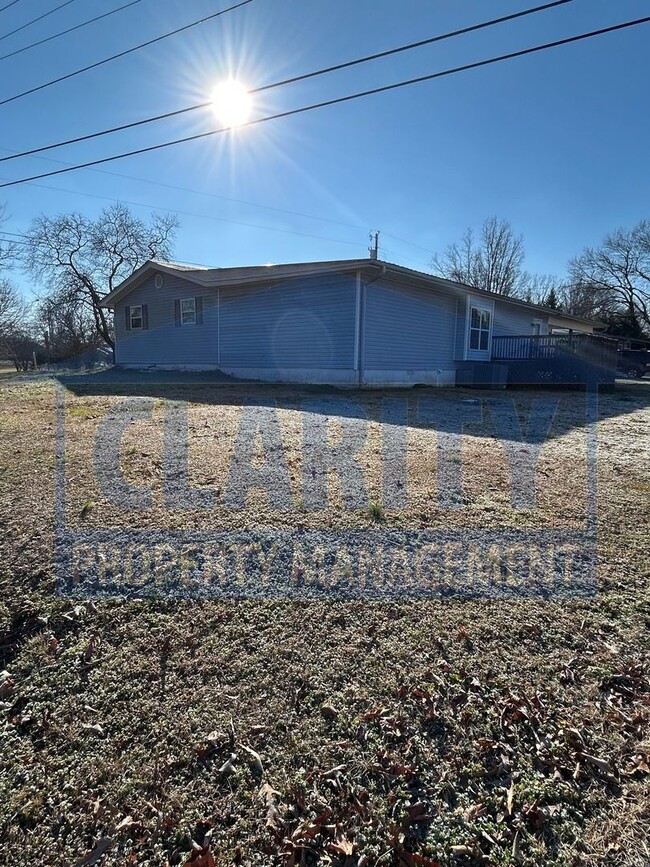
(361, 315)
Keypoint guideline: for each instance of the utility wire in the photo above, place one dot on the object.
(209, 217)
(338, 101)
(65, 32)
(113, 56)
(293, 80)
(34, 20)
(13, 3)
(206, 194)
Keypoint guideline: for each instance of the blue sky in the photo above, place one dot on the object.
(556, 143)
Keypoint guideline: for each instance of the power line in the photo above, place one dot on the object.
(204, 193)
(34, 20)
(13, 241)
(65, 32)
(385, 252)
(337, 101)
(21, 238)
(381, 54)
(13, 3)
(198, 216)
(113, 56)
(410, 243)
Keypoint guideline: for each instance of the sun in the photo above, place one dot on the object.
(231, 103)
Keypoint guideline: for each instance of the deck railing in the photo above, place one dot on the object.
(592, 348)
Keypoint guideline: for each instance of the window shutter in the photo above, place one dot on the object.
(145, 316)
(128, 318)
(177, 312)
(198, 306)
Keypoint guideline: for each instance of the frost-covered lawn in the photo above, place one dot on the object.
(341, 732)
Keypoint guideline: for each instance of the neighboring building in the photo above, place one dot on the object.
(351, 322)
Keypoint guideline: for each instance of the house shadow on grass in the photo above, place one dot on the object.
(468, 409)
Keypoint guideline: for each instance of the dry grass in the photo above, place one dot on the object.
(393, 733)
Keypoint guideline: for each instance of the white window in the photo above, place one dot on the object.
(479, 329)
(188, 311)
(135, 314)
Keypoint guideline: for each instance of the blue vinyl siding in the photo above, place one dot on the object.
(164, 342)
(460, 328)
(306, 329)
(512, 320)
(408, 328)
(301, 323)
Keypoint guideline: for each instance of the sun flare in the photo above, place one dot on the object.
(231, 103)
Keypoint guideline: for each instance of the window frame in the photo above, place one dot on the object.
(482, 330)
(139, 317)
(183, 313)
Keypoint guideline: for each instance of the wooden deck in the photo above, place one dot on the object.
(573, 359)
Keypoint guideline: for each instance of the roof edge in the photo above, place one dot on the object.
(215, 277)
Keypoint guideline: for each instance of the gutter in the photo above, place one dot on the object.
(361, 315)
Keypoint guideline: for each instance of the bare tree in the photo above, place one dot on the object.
(617, 274)
(68, 328)
(21, 349)
(582, 299)
(12, 308)
(493, 262)
(15, 343)
(544, 289)
(7, 248)
(81, 260)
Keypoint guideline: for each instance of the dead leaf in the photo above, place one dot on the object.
(100, 848)
(640, 764)
(516, 849)
(126, 822)
(87, 655)
(573, 738)
(257, 761)
(510, 798)
(341, 845)
(228, 766)
(334, 772)
(418, 812)
(7, 683)
(267, 793)
(535, 816)
(201, 857)
(373, 714)
(328, 711)
(602, 764)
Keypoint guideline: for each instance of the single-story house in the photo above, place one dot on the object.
(350, 322)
